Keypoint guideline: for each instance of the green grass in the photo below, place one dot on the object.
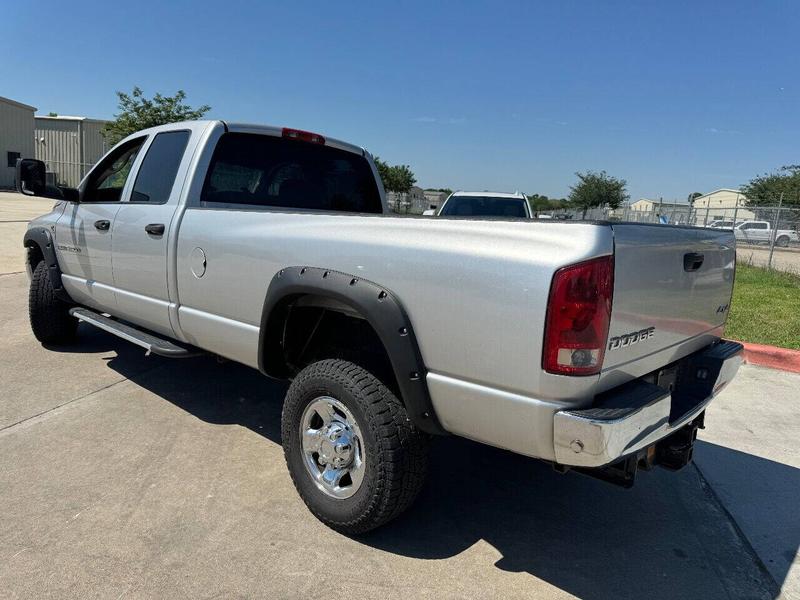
(765, 308)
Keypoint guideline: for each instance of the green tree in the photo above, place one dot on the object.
(766, 190)
(136, 112)
(447, 191)
(597, 189)
(539, 203)
(403, 178)
(386, 174)
(395, 178)
(693, 196)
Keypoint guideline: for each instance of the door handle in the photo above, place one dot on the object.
(102, 225)
(692, 261)
(155, 228)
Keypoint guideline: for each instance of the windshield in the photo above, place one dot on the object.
(484, 206)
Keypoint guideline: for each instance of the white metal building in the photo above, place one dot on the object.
(721, 204)
(69, 146)
(16, 137)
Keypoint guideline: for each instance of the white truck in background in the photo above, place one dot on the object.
(761, 232)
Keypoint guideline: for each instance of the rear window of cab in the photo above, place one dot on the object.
(264, 171)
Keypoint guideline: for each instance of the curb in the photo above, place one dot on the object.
(773, 357)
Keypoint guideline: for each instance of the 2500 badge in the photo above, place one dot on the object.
(629, 339)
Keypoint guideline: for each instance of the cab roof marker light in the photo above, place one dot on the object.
(303, 136)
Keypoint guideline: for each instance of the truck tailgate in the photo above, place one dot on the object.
(672, 290)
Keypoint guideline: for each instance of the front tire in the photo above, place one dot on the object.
(50, 319)
(354, 456)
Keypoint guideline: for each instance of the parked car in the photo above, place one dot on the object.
(761, 232)
(486, 204)
(723, 224)
(593, 346)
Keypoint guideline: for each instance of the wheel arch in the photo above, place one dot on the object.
(370, 301)
(41, 246)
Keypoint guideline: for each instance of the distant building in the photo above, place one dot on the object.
(412, 202)
(722, 204)
(434, 199)
(16, 137)
(646, 210)
(647, 205)
(69, 146)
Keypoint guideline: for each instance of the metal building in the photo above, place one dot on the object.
(16, 137)
(69, 146)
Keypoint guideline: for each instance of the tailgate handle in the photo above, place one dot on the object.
(692, 261)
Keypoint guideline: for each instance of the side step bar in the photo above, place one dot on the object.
(148, 341)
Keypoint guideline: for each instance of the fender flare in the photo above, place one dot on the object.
(377, 304)
(41, 237)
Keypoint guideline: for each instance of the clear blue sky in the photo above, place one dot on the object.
(673, 96)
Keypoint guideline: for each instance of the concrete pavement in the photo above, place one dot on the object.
(15, 212)
(130, 476)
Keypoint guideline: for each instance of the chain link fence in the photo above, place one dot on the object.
(762, 230)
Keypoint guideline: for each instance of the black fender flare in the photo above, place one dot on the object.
(41, 237)
(377, 304)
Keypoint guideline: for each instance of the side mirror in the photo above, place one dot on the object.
(31, 179)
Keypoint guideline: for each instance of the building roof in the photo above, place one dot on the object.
(70, 118)
(18, 104)
(718, 191)
(660, 202)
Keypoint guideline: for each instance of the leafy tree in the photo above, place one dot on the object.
(539, 203)
(597, 189)
(447, 191)
(765, 190)
(138, 112)
(396, 178)
(402, 178)
(52, 114)
(693, 196)
(385, 172)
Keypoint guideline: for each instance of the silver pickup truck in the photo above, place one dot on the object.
(593, 346)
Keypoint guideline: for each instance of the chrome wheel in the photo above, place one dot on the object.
(333, 447)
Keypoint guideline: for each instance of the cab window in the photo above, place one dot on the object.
(106, 181)
(267, 172)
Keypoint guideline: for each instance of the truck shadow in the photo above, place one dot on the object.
(668, 537)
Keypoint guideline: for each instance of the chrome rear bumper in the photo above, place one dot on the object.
(638, 414)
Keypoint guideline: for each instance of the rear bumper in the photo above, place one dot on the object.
(638, 414)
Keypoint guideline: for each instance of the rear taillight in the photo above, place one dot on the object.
(578, 314)
(303, 136)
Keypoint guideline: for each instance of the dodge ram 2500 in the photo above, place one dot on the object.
(593, 346)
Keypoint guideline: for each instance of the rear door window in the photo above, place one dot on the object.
(160, 166)
(265, 171)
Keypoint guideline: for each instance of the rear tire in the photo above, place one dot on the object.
(335, 404)
(50, 319)
(782, 241)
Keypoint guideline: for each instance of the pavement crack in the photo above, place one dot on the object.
(7, 429)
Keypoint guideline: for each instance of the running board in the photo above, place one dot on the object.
(148, 341)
